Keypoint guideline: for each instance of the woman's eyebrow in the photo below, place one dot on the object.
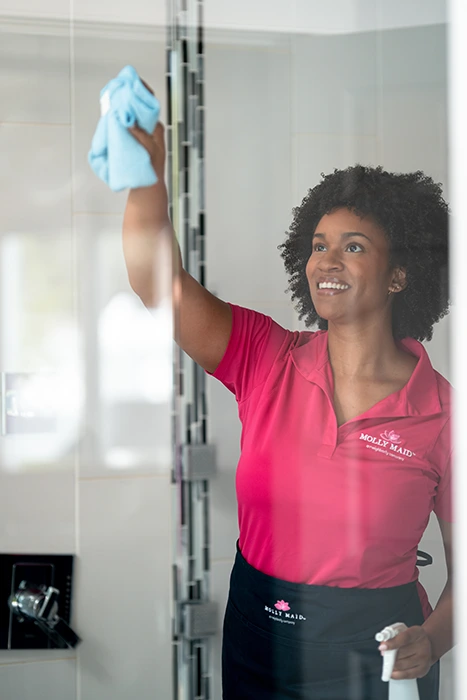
(347, 234)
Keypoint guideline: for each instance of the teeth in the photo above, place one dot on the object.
(332, 285)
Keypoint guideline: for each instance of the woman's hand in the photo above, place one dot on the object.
(414, 657)
(154, 143)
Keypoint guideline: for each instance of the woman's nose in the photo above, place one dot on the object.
(330, 260)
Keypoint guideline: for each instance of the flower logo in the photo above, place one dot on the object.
(391, 436)
(282, 605)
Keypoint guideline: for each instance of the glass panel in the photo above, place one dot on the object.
(294, 92)
(120, 455)
(85, 370)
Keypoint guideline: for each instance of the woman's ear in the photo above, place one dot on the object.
(399, 280)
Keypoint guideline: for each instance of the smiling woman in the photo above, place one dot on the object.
(346, 445)
(398, 225)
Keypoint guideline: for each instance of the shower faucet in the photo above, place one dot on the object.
(39, 603)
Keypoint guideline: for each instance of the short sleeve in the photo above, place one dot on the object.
(255, 343)
(443, 499)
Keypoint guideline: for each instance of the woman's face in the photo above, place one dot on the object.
(348, 270)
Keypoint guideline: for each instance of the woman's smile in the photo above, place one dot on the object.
(331, 286)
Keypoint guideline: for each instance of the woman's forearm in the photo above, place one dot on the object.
(439, 625)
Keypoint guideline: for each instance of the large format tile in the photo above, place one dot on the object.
(248, 182)
(447, 686)
(336, 18)
(39, 681)
(223, 514)
(433, 577)
(414, 56)
(439, 348)
(142, 12)
(128, 356)
(413, 129)
(122, 608)
(37, 512)
(261, 15)
(334, 83)
(98, 60)
(34, 77)
(35, 178)
(317, 153)
(399, 13)
(224, 426)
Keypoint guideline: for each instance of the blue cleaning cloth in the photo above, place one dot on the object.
(116, 156)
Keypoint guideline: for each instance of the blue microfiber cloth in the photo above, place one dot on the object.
(116, 156)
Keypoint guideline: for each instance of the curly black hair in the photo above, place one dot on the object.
(410, 208)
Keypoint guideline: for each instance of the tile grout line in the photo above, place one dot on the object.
(125, 477)
(75, 275)
(19, 123)
(37, 661)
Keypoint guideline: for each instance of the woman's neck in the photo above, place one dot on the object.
(365, 352)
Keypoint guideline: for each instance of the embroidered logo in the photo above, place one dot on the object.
(391, 436)
(388, 443)
(280, 613)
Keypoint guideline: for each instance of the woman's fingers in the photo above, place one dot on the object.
(142, 136)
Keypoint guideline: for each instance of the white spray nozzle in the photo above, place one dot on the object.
(389, 656)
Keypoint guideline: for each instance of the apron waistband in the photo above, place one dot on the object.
(319, 614)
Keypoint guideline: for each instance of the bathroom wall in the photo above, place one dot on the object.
(100, 487)
(281, 109)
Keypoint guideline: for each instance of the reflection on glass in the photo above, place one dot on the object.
(42, 391)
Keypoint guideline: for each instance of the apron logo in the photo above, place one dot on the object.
(280, 613)
(388, 443)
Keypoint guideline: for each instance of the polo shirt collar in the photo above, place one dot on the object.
(419, 397)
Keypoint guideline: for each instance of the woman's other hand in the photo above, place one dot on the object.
(414, 656)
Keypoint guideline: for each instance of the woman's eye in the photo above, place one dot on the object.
(318, 247)
(354, 248)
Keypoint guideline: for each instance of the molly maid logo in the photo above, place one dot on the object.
(280, 612)
(388, 443)
(391, 436)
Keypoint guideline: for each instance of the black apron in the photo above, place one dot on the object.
(284, 640)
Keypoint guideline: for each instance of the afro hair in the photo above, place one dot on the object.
(410, 208)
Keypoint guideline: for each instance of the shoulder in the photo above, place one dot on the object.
(445, 391)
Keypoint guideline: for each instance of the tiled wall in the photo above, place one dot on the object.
(70, 307)
(280, 110)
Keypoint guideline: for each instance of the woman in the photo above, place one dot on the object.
(345, 441)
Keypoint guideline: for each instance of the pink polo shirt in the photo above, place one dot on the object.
(326, 505)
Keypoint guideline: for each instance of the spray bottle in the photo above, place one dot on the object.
(406, 689)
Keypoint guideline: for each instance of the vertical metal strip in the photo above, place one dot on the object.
(185, 151)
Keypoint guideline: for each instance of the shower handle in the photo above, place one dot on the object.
(40, 604)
